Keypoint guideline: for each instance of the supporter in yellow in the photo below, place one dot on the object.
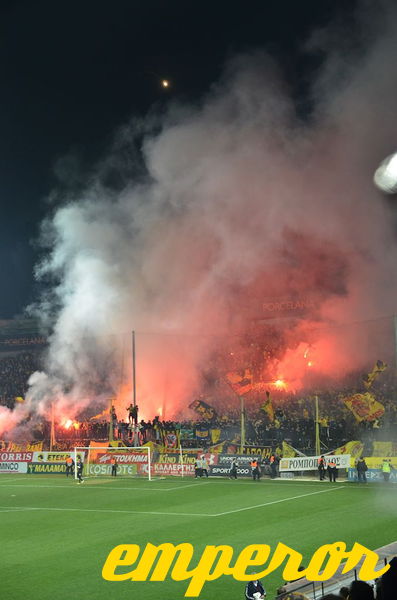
(386, 469)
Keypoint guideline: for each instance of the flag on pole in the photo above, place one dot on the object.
(378, 368)
(354, 448)
(171, 438)
(241, 382)
(289, 451)
(267, 407)
(206, 411)
(364, 406)
(101, 415)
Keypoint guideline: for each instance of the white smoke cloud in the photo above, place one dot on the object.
(241, 200)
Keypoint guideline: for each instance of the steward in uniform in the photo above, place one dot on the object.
(321, 467)
(273, 466)
(255, 469)
(386, 469)
(69, 466)
(332, 471)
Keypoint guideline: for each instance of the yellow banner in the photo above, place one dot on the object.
(354, 448)
(384, 449)
(364, 406)
(215, 435)
(35, 447)
(288, 451)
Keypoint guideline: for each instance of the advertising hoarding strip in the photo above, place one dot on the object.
(310, 463)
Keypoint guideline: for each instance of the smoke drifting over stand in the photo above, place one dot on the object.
(240, 202)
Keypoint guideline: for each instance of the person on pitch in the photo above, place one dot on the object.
(321, 467)
(197, 468)
(387, 468)
(233, 470)
(273, 466)
(204, 466)
(113, 462)
(362, 468)
(254, 590)
(69, 466)
(332, 470)
(79, 465)
(255, 470)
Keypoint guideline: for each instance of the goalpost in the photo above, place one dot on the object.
(130, 461)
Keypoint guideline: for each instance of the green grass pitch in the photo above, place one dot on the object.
(55, 534)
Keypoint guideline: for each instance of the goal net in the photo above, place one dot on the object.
(102, 461)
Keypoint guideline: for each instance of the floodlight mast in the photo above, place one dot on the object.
(133, 370)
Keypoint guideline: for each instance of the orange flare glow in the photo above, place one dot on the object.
(280, 384)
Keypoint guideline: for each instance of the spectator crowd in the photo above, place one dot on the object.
(291, 419)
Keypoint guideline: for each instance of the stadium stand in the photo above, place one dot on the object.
(318, 590)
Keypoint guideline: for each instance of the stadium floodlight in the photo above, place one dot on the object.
(385, 177)
(131, 461)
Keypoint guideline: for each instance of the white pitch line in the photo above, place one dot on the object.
(229, 512)
(13, 479)
(182, 487)
(94, 487)
(16, 510)
(105, 510)
(177, 514)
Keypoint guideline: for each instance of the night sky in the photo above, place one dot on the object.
(72, 72)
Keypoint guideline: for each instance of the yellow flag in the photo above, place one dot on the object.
(267, 407)
(364, 406)
(378, 367)
(354, 448)
(241, 382)
(288, 451)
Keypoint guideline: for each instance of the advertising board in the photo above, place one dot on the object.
(310, 463)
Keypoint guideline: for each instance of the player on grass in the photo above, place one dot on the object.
(113, 462)
(233, 470)
(79, 465)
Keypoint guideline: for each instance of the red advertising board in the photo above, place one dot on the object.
(125, 458)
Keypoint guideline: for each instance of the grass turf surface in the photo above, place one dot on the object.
(55, 534)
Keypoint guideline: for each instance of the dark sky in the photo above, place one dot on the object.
(73, 71)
